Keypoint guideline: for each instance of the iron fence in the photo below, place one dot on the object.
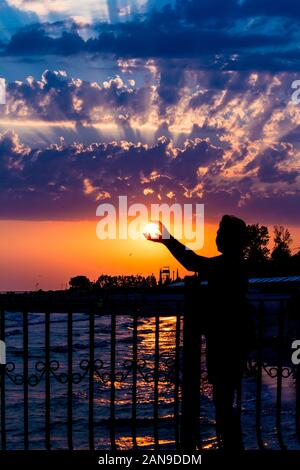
(171, 371)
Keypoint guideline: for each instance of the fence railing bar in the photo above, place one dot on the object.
(156, 379)
(47, 382)
(91, 378)
(177, 377)
(134, 379)
(70, 380)
(259, 376)
(239, 412)
(2, 378)
(199, 373)
(25, 382)
(281, 324)
(297, 403)
(112, 381)
(191, 379)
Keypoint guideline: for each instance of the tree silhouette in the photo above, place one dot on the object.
(80, 282)
(105, 281)
(257, 251)
(282, 241)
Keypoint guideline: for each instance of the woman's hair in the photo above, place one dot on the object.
(232, 235)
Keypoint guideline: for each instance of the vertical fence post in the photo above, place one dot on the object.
(91, 377)
(191, 374)
(25, 384)
(2, 387)
(47, 382)
(70, 379)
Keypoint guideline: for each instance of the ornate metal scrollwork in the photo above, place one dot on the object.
(166, 371)
(272, 371)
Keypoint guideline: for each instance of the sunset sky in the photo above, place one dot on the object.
(184, 101)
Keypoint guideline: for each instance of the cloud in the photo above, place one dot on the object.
(112, 10)
(12, 19)
(69, 181)
(55, 97)
(164, 98)
(270, 165)
(198, 80)
(244, 112)
(226, 35)
(34, 40)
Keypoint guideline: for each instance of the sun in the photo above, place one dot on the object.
(152, 229)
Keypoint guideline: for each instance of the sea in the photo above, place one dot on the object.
(145, 428)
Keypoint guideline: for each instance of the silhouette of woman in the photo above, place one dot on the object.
(227, 322)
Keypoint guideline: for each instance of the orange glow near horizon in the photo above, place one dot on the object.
(46, 255)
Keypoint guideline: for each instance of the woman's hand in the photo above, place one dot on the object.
(158, 234)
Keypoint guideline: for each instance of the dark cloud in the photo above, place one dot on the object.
(34, 40)
(286, 8)
(68, 182)
(227, 35)
(269, 165)
(141, 40)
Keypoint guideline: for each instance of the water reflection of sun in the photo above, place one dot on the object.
(167, 332)
(125, 442)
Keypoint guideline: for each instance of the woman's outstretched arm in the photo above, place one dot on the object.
(190, 260)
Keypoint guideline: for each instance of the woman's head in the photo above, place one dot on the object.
(232, 235)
